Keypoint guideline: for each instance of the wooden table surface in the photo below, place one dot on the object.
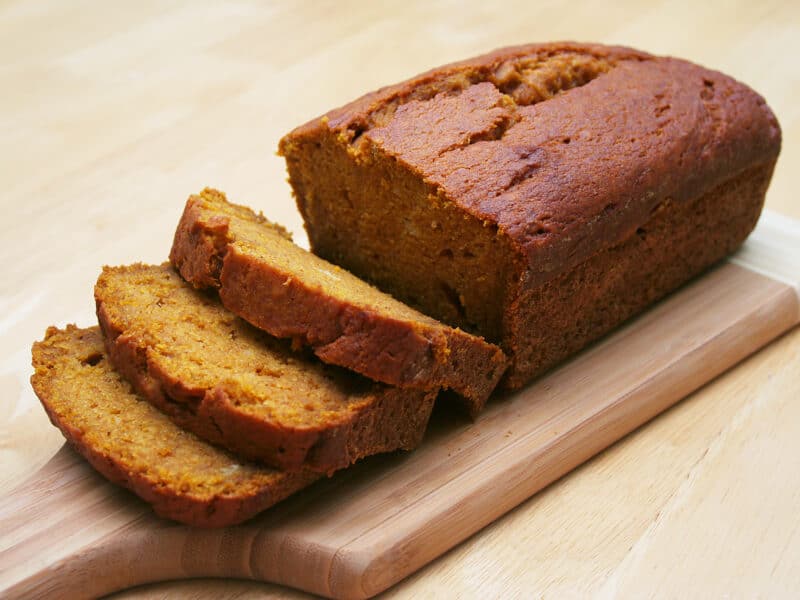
(112, 113)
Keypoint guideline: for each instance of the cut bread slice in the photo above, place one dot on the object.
(281, 288)
(238, 387)
(135, 445)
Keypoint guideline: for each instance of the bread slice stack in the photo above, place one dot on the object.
(219, 384)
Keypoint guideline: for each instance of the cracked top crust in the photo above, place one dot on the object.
(565, 148)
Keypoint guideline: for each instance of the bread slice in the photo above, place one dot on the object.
(279, 287)
(134, 445)
(238, 387)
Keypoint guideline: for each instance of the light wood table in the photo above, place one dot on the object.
(112, 113)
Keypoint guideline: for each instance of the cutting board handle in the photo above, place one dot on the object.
(53, 525)
(66, 532)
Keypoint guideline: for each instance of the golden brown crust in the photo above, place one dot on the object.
(288, 292)
(552, 154)
(370, 109)
(183, 478)
(237, 387)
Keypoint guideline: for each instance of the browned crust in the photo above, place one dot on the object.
(678, 242)
(356, 114)
(390, 419)
(383, 347)
(167, 501)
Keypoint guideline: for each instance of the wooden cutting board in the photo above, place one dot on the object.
(66, 532)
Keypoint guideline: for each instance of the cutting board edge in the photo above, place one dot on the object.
(773, 249)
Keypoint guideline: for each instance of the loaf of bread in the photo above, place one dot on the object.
(538, 195)
(237, 387)
(134, 445)
(277, 286)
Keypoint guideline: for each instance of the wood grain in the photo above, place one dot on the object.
(358, 533)
(111, 114)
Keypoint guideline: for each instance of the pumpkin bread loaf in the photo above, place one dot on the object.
(134, 445)
(538, 195)
(277, 286)
(240, 388)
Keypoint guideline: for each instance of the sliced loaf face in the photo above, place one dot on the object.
(238, 387)
(134, 445)
(472, 189)
(287, 291)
